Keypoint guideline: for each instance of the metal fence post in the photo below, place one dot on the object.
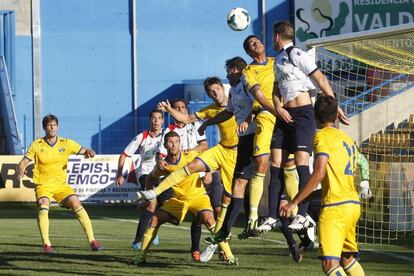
(100, 134)
(24, 133)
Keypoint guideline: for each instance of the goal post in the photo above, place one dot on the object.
(372, 75)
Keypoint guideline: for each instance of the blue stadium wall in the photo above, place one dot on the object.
(87, 64)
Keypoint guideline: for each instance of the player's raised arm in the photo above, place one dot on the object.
(324, 85)
(219, 118)
(184, 118)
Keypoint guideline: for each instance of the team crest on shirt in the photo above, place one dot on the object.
(61, 149)
(257, 148)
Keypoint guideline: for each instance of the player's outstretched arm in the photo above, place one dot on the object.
(181, 117)
(326, 88)
(88, 153)
(322, 82)
(219, 118)
(316, 177)
(21, 167)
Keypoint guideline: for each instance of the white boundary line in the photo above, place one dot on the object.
(388, 254)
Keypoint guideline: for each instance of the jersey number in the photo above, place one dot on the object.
(351, 153)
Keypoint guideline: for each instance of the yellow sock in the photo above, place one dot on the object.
(85, 222)
(173, 179)
(43, 223)
(147, 239)
(354, 269)
(336, 271)
(256, 191)
(225, 247)
(291, 181)
(291, 184)
(220, 218)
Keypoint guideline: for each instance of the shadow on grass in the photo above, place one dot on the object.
(94, 263)
(55, 271)
(57, 257)
(23, 245)
(13, 210)
(4, 263)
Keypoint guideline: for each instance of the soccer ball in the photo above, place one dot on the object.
(238, 19)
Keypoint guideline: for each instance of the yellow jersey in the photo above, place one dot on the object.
(50, 161)
(191, 186)
(262, 75)
(338, 184)
(228, 129)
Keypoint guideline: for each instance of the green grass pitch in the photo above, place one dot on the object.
(21, 249)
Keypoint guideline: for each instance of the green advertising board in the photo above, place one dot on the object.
(321, 18)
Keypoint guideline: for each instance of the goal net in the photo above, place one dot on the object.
(372, 74)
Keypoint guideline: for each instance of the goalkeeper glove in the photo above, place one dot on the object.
(364, 191)
(147, 195)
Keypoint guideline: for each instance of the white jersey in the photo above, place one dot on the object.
(292, 69)
(147, 147)
(189, 136)
(241, 105)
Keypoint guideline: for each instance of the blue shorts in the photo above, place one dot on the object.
(244, 161)
(296, 136)
(215, 190)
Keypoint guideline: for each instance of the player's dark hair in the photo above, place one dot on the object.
(326, 109)
(156, 111)
(48, 118)
(177, 100)
(285, 29)
(246, 43)
(236, 62)
(170, 134)
(210, 81)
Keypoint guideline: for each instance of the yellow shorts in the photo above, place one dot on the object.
(264, 132)
(223, 159)
(178, 208)
(337, 230)
(59, 192)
